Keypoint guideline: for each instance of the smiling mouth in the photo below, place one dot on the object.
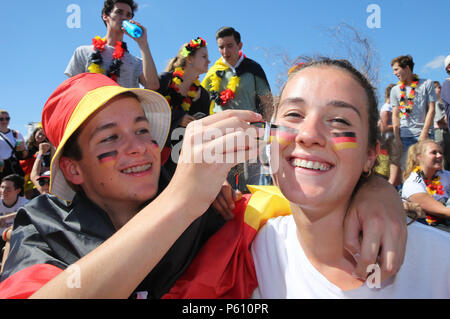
(320, 166)
(137, 169)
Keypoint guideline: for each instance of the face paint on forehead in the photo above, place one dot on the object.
(107, 157)
(344, 140)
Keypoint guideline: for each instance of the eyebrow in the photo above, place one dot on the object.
(113, 124)
(336, 103)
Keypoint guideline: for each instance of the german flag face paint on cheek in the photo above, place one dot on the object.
(155, 144)
(282, 134)
(107, 157)
(344, 140)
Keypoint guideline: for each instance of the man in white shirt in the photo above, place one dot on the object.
(9, 140)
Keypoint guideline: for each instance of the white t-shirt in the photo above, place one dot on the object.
(387, 107)
(21, 201)
(5, 149)
(284, 271)
(130, 70)
(412, 125)
(414, 184)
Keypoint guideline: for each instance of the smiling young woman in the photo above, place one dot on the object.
(302, 255)
(427, 183)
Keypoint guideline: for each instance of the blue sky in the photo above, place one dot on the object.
(38, 45)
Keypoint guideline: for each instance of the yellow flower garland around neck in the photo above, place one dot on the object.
(226, 95)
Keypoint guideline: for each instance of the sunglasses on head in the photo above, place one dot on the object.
(4, 119)
(44, 181)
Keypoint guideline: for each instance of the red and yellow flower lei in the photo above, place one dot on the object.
(433, 187)
(406, 107)
(96, 58)
(216, 74)
(174, 98)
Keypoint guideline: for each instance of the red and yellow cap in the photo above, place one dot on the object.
(76, 99)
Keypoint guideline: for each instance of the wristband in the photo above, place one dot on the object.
(4, 234)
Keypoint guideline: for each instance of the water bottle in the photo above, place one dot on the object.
(134, 30)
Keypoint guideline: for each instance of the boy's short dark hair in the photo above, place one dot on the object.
(17, 180)
(227, 31)
(404, 61)
(109, 5)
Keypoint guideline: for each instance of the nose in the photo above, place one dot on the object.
(136, 145)
(311, 132)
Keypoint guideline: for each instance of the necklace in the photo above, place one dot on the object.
(217, 72)
(433, 187)
(174, 96)
(96, 58)
(406, 107)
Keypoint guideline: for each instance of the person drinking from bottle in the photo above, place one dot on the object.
(110, 56)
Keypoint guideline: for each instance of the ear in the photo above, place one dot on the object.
(71, 170)
(240, 46)
(105, 17)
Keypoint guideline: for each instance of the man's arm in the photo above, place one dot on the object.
(36, 170)
(386, 118)
(149, 77)
(428, 121)
(396, 122)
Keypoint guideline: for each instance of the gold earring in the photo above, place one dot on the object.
(367, 174)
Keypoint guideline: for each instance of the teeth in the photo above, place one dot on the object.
(137, 169)
(309, 164)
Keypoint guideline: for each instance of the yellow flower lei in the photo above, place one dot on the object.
(214, 86)
(177, 78)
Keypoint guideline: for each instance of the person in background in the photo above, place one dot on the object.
(181, 87)
(388, 144)
(445, 90)
(427, 183)
(413, 104)
(35, 143)
(441, 133)
(43, 183)
(110, 55)
(237, 82)
(12, 147)
(11, 194)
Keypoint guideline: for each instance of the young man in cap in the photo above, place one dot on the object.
(110, 55)
(107, 166)
(108, 241)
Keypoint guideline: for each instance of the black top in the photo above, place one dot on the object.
(199, 105)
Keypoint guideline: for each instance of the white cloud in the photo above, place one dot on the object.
(436, 63)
